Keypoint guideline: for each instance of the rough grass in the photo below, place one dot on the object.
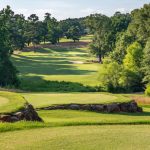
(79, 138)
(11, 102)
(47, 99)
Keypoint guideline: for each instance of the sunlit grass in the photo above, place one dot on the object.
(79, 138)
(13, 104)
(48, 99)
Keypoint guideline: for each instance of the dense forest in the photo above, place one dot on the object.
(120, 42)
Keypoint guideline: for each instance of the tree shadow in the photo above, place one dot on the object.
(41, 65)
(38, 84)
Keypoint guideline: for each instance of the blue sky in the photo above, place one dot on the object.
(62, 9)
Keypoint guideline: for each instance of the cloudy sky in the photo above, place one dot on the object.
(62, 9)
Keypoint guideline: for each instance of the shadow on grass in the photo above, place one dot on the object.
(41, 65)
(37, 84)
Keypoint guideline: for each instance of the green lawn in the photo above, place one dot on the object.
(10, 102)
(79, 138)
(72, 117)
(56, 64)
(61, 75)
(48, 99)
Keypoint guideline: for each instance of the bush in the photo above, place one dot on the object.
(110, 76)
(147, 91)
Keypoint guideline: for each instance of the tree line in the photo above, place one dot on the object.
(17, 32)
(124, 39)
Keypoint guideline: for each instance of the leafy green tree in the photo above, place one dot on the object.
(110, 75)
(119, 25)
(8, 72)
(133, 59)
(147, 91)
(100, 24)
(121, 44)
(31, 30)
(17, 31)
(53, 30)
(146, 62)
(139, 27)
(132, 77)
(73, 33)
(65, 25)
(120, 22)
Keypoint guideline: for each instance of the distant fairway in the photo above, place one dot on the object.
(56, 64)
(79, 138)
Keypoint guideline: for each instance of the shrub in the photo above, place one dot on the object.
(147, 91)
(110, 76)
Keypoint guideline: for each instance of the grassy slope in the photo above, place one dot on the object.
(79, 138)
(13, 101)
(56, 64)
(48, 99)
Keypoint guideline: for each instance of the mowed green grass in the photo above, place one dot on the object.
(73, 117)
(56, 64)
(10, 102)
(48, 99)
(70, 117)
(118, 137)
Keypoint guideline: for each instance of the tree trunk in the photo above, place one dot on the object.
(44, 39)
(100, 59)
(28, 44)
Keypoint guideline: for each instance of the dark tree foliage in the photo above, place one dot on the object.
(7, 70)
(101, 26)
(120, 24)
(73, 33)
(67, 24)
(139, 27)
